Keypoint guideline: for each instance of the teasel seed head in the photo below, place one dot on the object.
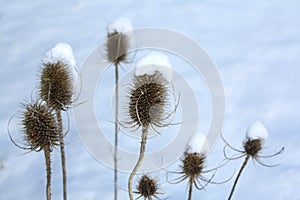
(118, 40)
(39, 126)
(56, 85)
(148, 100)
(253, 146)
(147, 187)
(117, 47)
(255, 135)
(193, 164)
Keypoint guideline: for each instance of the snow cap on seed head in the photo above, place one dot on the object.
(59, 77)
(198, 144)
(257, 131)
(61, 52)
(120, 25)
(152, 62)
(119, 40)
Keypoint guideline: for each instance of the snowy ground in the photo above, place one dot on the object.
(255, 46)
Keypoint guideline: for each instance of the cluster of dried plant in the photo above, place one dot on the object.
(147, 109)
(148, 98)
(42, 123)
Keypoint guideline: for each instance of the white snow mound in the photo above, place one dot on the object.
(198, 144)
(61, 52)
(257, 131)
(120, 25)
(152, 62)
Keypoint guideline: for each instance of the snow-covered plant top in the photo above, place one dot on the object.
(257, 131)
(152, 62)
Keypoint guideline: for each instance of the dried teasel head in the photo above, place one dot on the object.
(118, 40)
(256, 134)
(56, 85)
(193, 164)
(117, 47)
(253, 146)
(39, 126)
(147, 187)
(148, 100)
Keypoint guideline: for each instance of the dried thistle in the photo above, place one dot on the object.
(252, 147)
(117, 47)
(147, 187)
(40, 133)
(56, 85)
(192, 168)
(39, 126)
(148, 99)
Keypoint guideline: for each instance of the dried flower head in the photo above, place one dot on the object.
(252, 147)
(193, 164)
(193, 168)
(118, 40)
(253, 144)
(39, 126)
(56, 85)
(117, 47)
(148, 100)
(147, 187)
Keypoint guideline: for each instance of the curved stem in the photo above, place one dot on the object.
(48, 170)
(238, 176)
(139, 162)
(190, 189)
(62, 153)
(116, 133)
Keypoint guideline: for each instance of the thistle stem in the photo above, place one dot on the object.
(139, 162)
(238, 176)
(62, 153)
(48, 170)
(116, 132)
(190, 189)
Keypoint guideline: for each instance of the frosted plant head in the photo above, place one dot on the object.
(147, 187)
(192, 168)
(256, 135)
(153, 62)
(118, 40)
(58, 77)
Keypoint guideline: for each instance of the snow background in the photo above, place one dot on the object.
(255, 46)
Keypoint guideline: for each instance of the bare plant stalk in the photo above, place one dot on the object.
(48, 170)
(139, 162)
(116, 133)
(190, 189)
(238, 176)
(62, 152)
